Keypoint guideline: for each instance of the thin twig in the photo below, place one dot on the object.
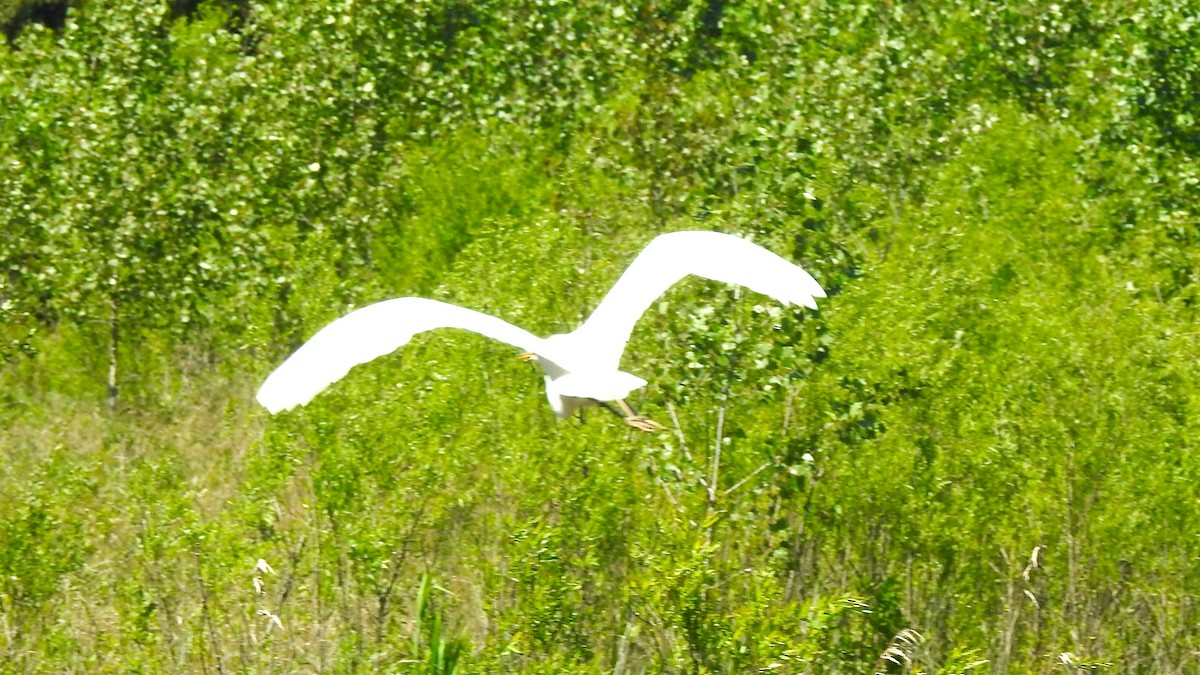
(742, 482)
(679, 431)
(720, 440)
(397, 564)
(285, 590)
(114, 339)
(787, 408)
(716, 464)
(206, 614)
(670, 496)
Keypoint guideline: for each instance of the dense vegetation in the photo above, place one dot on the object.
(978, 456)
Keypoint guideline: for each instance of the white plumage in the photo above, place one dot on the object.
(581, 367)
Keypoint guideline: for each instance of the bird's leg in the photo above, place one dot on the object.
(630, 416)
(607, 406)
(633, 419)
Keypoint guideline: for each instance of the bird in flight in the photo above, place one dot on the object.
(582, 367)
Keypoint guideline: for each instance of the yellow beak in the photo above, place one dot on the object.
(527, 356)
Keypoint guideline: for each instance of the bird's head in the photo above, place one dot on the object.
(549, 367)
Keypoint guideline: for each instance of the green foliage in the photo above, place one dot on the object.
(976, 455)
(42, 536)
(429, 636)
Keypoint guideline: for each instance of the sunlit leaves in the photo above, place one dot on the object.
(1001, 202)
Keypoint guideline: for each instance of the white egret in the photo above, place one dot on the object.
(581, 367)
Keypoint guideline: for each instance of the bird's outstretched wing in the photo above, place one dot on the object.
(669, 258)
(371, 332)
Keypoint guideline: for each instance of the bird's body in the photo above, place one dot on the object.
(581, 367)
(570, 388)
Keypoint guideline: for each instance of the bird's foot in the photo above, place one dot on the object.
(643, 423)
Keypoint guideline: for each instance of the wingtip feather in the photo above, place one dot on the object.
(290, 386)
(275, 400)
